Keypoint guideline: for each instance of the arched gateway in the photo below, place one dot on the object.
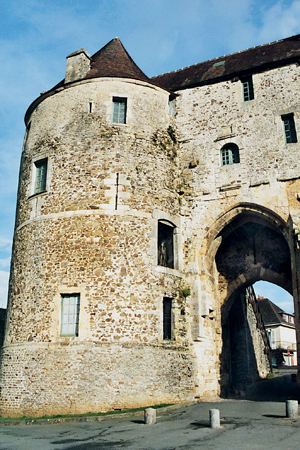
(146, 207)
(246, 244)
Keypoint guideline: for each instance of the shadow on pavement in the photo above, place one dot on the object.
(281, 387)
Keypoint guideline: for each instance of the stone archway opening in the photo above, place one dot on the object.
(252, 247)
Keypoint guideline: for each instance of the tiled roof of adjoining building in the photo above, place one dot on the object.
(255, 59)
(272, 314)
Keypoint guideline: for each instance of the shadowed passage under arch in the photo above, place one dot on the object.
(251, 248)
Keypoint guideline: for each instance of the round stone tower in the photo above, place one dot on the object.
(95, 278)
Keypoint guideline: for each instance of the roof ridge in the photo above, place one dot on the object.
(226, 55)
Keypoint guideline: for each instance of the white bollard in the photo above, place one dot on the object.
(149, 416)
(214, 418)
(291, 409)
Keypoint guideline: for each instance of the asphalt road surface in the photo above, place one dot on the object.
(244, 425)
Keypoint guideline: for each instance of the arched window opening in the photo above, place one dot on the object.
(230, 154)
(165, 243)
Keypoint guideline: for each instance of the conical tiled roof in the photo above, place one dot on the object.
(114, 61)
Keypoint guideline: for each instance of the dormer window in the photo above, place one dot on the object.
(119, 110)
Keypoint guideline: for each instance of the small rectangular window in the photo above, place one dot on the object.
(289, 128)
(69, 314)
(248, 91)
(167, 318)
(40, 176)
(119, 110)
(172, 105)
(165, 245)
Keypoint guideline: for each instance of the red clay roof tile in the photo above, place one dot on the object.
(114, 61)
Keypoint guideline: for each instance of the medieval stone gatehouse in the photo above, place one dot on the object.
(145, 209)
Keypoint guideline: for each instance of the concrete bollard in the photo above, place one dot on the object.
(214, 418)
(149, 416)
(291, 409)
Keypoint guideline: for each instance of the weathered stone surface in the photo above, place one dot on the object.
(94, 230)
(292, 409)
(214, 418)
(150, 416)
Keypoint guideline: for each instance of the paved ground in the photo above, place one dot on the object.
(244, 425)
(256, 422)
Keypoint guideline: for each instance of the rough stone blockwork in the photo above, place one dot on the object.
(145, 208)
(84, 378)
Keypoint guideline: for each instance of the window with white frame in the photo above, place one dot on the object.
(70, 304)
(230, 154)
(119, 110)
(40, 175)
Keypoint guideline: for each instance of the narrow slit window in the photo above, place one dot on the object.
(172, 105)
(230, 154)
(165, 244)
(289, 129)
(40, 176)
(167, 318)
(248, 91)
(119, 110)
(69, 314)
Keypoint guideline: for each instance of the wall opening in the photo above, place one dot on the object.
(165, 245)
(251, 247)
(167, 318)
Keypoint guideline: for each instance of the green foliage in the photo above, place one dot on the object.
(186, 292)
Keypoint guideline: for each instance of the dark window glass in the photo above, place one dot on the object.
(165, 245)
(289, 128)
(40, 176)
(167, 318)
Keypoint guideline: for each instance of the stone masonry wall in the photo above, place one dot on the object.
(94, 377)
(265, 179)
(94, 232)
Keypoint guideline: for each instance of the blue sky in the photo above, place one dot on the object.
(160, 35)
